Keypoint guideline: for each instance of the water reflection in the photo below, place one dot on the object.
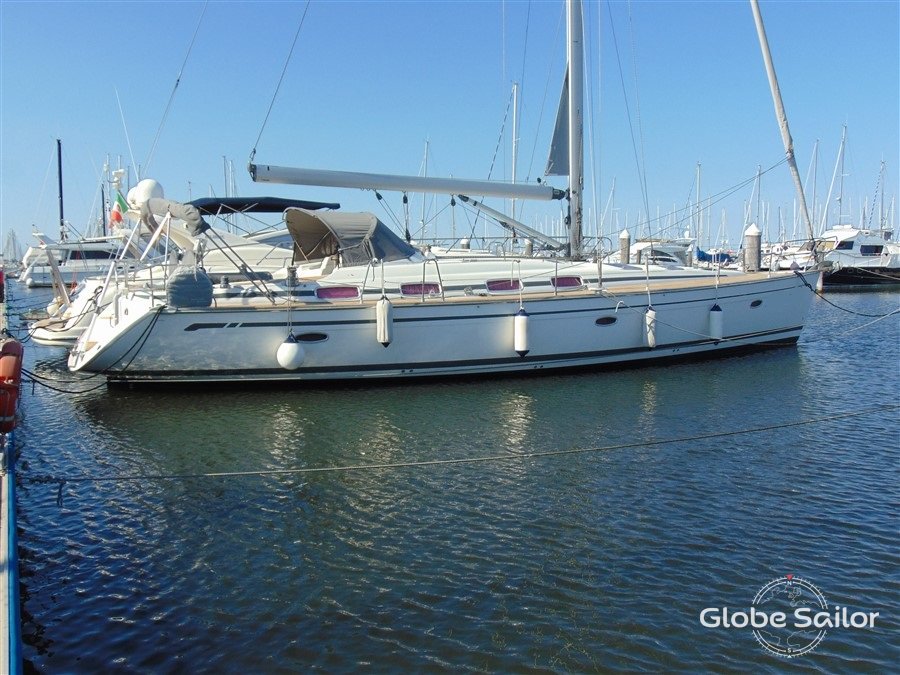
(558, 563)
(516, 412)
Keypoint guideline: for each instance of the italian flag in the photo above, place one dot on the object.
(119, 208)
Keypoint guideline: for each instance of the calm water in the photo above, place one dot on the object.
(592, 561)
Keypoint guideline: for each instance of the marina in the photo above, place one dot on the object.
(365, 421)
(554, 523)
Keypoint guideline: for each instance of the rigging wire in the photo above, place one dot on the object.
(500, 137)
(40, 198)
(634, 143)
(637, 111)
(544, 100)
(280, 80)
(175, 88)
(137, 167)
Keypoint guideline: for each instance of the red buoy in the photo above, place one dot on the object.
(10, 379)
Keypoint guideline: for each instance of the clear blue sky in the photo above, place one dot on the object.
(370, 82)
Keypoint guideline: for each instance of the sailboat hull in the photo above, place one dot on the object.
(459, 337)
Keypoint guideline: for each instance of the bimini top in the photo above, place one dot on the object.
(213, 206)
(358, 238)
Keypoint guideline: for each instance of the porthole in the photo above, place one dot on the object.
(606, 320)
(311, 337)
(756, 303)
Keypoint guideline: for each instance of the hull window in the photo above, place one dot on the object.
(503, 285)
(311, 337)
(567, 282)
(337, 293)
(429, 289)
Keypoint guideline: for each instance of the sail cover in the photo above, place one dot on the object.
(358, 238)
(558, 161)
(193, 221)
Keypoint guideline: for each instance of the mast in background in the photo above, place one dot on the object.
(62, 220)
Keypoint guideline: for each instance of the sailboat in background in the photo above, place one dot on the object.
(67, 261)
(359, 302)
(12, 255)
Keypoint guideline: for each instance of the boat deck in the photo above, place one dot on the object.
(610, 288)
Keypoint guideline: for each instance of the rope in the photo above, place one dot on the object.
(844, 309)
(61, 481)
(280, 79)
(34, 378)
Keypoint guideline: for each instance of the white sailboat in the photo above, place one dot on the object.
(360, 302)
(257, 256)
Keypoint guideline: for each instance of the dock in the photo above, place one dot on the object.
(10, 620)
(10, 616)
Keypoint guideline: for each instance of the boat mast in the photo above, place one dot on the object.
(841, 190)
(698, 225)
(576, 124)
(838, 166)
(781, 116)
(515, 139)
(62, 220)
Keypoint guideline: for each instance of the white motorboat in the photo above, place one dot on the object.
(75, 259)
(359, 302)
(859, 257)
(658, 251)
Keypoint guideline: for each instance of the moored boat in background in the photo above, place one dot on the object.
(859, 257)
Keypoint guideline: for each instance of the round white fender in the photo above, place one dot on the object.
(290, 353)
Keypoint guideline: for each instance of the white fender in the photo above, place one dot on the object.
(650, 327)
(384, 321)
(290, 353)
(716, 323)
(520, 332)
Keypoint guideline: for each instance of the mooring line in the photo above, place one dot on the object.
(444, 462)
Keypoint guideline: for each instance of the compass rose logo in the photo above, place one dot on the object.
(787, 594)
